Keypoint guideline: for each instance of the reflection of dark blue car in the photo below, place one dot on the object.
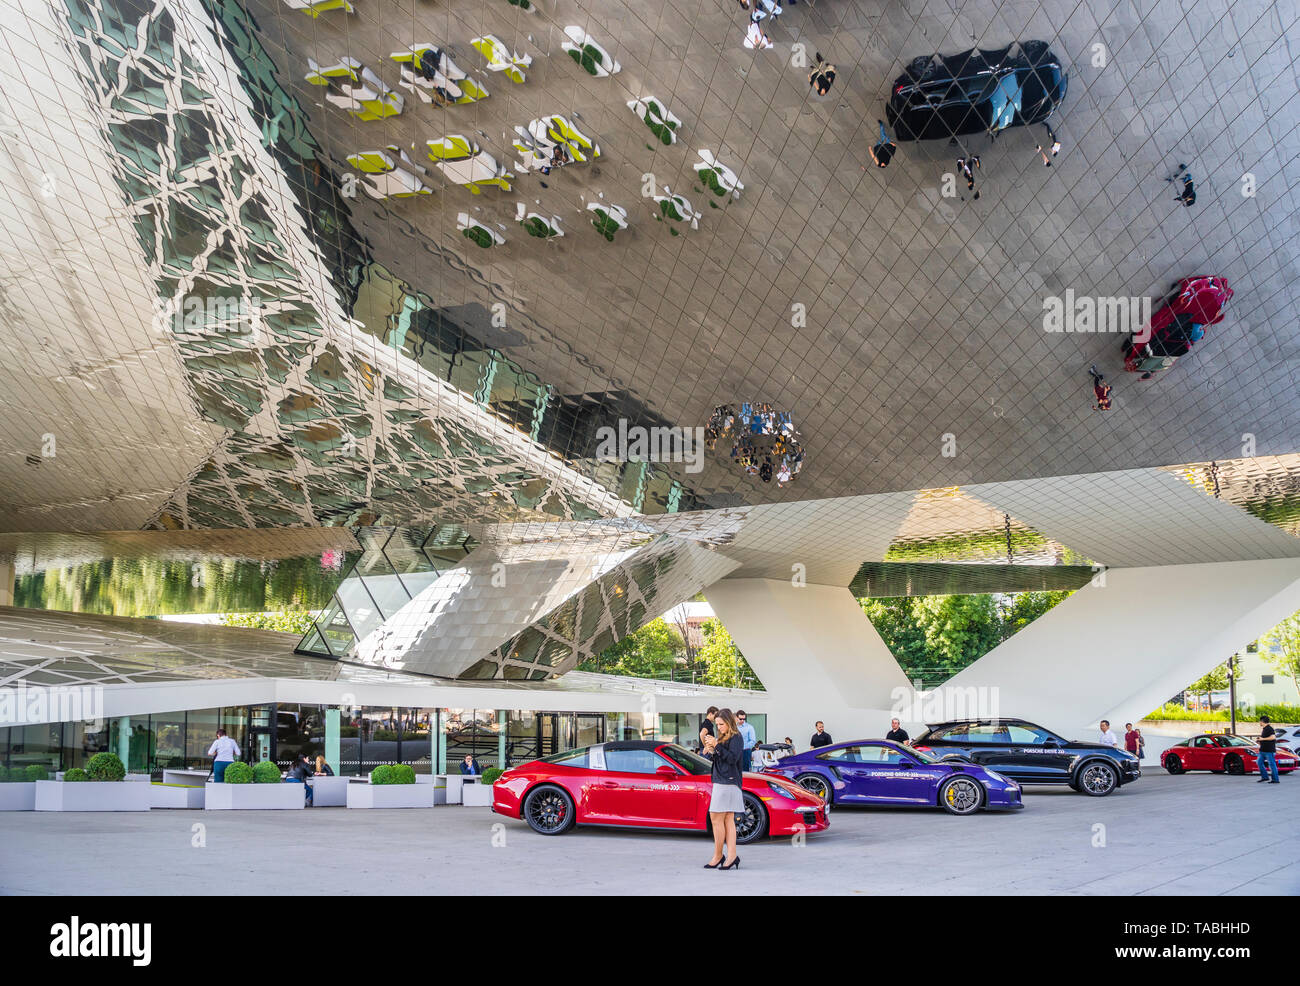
(878, 772)
(944, 96)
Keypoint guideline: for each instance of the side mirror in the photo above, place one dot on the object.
(665, 771)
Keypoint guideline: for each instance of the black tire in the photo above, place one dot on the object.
(961, 795)
(1174, 765)
(1096, 778)
(548, 810)
(1234, 765)
(751, 826)
(818, 785)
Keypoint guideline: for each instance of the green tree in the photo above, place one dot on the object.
(1022, 608)
(1215, 680)
(723, 663)
(650, 652)
(1286, 637)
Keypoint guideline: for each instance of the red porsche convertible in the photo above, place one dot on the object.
(646, 784)
(1221, 753)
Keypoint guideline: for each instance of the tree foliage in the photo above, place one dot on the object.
(721, 659)
(1286, 637)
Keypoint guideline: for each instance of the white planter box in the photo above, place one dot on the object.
(329, 792)
(177, 796)
(93, 796)
(219, 797)
(390, 795)
(476, 795)
(18, 797)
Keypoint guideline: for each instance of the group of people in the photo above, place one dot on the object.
(728, 740)
(224, 751)
(765, 443)
(1134, 743)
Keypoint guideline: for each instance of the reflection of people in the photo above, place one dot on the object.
(1188, 195)
(822, 75)
(224, 751)
(884, 150)
(727, 799)
(1100, 388)
(469, 766)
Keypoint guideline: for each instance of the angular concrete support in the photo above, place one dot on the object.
(6, 580)
(1120, 649)
(817, 655)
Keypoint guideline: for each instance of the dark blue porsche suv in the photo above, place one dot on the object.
(1030, 754)
(976, 91)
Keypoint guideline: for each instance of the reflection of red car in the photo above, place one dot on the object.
(1221, 753)
(646, 785)
(1180, 322)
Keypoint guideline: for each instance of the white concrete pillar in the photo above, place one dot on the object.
(817, 655)
(7, 577)
(1119, 649)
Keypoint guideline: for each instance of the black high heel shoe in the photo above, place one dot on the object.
(733, 865)
(713, 866)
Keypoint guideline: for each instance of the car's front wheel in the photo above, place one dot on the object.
(1233, 764)
(960, 795)
(1174, 765)
(818, 785)
(549, 810)
(752, 825)
(1098, 779)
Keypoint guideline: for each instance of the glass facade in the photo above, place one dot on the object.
(430, 740)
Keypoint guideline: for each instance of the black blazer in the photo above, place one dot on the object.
(727, 759)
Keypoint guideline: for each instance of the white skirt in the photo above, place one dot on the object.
(727, 797)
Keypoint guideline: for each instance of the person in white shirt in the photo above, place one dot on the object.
(223, 752)
(1107, 736)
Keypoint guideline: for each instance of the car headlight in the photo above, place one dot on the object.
(780, 791)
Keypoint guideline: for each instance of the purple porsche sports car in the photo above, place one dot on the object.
(879, 772)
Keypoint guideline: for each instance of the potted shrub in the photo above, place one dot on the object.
(97, 787)
(392, 785)
(255, 787)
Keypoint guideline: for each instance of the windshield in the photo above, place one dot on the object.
(1234, 741)
(684, 758)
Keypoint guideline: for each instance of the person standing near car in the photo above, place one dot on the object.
(820, 737)
(1130, 738)
(1107, 735)
(1267, 753)
(727, 751)
(896, 732)
(224, 751)
(748, 738)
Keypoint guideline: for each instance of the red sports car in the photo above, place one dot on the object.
(646, 784)
(1222, 753)
(1193, 304)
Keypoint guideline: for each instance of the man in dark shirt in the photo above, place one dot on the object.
(706, 727)
(1267, 753)
(896, 732)
(821, 737)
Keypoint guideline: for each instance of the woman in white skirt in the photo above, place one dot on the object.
(727, 752)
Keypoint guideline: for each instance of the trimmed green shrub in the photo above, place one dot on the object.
(105, 767)
(383, 774)
(36, 772)
(75, 774)
(239, 773)
(4, 773)
(264, 773)
(491, 774)
(403, 773)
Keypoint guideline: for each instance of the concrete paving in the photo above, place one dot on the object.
(1189, 835)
